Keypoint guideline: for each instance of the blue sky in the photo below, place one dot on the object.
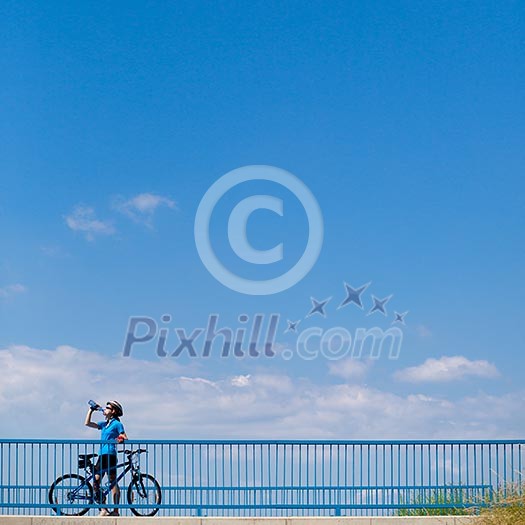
(405, 120)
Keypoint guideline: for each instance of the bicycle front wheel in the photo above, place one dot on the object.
(68, 493)
(144, 490)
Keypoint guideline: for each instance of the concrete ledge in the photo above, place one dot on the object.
(125, 520)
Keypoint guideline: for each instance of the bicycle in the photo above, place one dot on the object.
(69, 492)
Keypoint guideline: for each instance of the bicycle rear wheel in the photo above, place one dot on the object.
(144, 490)
(68, 492)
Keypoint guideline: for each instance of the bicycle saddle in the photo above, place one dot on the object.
(87, 456)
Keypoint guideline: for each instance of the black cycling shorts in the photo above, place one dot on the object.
(106, 463)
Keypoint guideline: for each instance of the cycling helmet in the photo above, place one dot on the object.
(117, 407)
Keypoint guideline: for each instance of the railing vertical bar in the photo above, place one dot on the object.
(17, 482)
(520, 471)
(308, 474)
(315, 473)
(475, 463)
(191, 450)
(398, 447)
(413, 461)
(178, 493)
(368, 471)
(247, 495)
(429, 463)
(383, 475)
(406, 465)
(444, 464)
(459, 463)
(422, 464)
(24, 481)
(498, 477)
(361, 464)
(452, 455)
(436, 467)
(505, 480)
(467, 459)
(184, 471)
(482, 465)
(391, 449)
(490, 465)
(9, 479)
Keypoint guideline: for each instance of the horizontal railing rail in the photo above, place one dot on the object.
(276, 478)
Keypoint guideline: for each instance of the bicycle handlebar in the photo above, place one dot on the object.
(131, 452)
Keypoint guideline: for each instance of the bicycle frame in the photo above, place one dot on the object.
(89, 478)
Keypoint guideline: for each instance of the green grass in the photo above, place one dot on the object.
(454, 501)
(506, 508)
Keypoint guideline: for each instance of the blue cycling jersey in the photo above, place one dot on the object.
(110, 431)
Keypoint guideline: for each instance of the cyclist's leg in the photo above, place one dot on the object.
(100, 469)
(97, 479)
(115, 491)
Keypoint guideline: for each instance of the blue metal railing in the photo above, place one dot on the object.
(278, 478)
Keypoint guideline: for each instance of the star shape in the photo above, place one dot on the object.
(353, 295)
(318, 307)
(400, 318)
(379, 305)
(292, 326)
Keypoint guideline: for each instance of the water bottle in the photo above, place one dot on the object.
(94, 406)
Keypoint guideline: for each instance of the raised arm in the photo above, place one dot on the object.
(88, 421)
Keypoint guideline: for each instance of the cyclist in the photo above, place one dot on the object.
(112, 429)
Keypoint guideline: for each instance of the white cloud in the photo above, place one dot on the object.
(83, 219)
(142, 207)
(349, 368)
(196, 383)
(43, 394)
(241, 381)
(447, 369)
(12, 289)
